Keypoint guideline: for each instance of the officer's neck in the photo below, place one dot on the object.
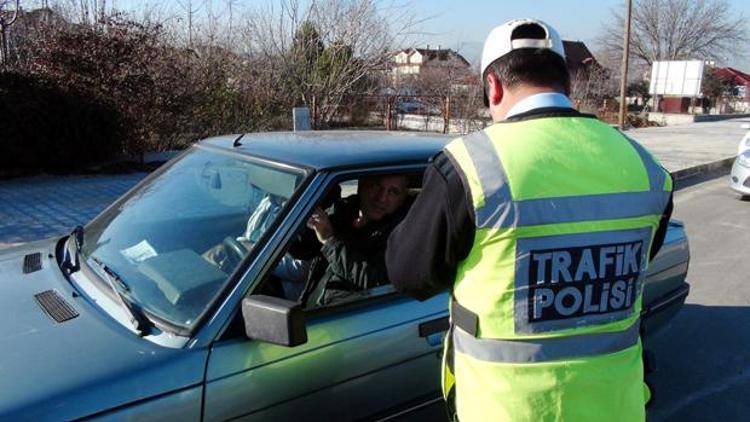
(511, 97)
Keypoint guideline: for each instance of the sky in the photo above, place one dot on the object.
(463, 24)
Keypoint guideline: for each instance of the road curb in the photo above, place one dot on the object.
(702, 169)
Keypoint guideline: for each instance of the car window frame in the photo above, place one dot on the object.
(338, 178)
(331, 178)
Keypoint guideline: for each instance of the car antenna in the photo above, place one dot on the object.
(237, 142)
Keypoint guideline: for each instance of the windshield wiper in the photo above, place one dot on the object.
(67, 265)
(138, 319)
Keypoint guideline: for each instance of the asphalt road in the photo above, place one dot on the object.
(703, 359)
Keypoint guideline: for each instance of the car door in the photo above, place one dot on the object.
(373, 357)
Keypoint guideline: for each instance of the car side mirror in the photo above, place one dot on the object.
(274, 320)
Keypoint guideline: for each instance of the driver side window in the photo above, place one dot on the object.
(338, 255)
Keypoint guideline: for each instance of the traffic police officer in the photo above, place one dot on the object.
(542, 226)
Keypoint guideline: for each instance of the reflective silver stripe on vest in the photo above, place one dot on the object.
(545, 350)
(501, 211)
(655, 172)
(499, 208)
(569, 209)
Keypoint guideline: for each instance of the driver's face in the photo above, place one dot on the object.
(382, 195)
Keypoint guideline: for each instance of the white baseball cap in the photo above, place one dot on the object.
(499, 41)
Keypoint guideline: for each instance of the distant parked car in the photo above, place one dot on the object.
(740, 175)
(127, 318)
(410, 106)
(413, 106)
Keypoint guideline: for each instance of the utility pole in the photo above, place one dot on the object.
(625, 55)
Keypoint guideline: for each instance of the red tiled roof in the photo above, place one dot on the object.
(738, 77)
(578, 55)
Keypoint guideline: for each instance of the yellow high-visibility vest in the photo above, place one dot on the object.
(545, 308)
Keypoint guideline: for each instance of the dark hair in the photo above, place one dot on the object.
(534, 66)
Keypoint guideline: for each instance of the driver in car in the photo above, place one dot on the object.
(228, 254)
(346, 249)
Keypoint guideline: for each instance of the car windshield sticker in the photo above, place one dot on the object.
(139, 252)
(568, 281)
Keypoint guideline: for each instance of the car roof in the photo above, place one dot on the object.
(334, 149)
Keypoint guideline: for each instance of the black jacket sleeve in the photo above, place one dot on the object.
(350, 264)
(424, 250)
(356, 256)
(305, 245)
(661, 231)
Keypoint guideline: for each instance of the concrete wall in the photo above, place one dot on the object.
(677, 119)
(670, 119)
(436, 123)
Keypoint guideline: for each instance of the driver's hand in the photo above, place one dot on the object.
(321, 224)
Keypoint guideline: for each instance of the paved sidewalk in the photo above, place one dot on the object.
(681, 148)
(46, 206)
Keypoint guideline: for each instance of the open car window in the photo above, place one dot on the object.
(352, 297)
(351, 267)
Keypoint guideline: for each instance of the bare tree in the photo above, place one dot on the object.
(591, 86)
(102, 11)
(326, 49)
(437, 85)
(191, 9)
(92, 13)
(679, 30)
(8, 16)
(230, 7)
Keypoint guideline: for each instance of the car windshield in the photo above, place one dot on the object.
(175, 240)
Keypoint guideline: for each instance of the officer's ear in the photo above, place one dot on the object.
(495, 90)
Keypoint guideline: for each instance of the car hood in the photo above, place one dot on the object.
(79, 367)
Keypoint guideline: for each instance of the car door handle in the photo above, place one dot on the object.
(433, 330)
(438, 325)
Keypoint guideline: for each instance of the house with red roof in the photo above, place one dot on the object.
(579, 58)
(740, 82)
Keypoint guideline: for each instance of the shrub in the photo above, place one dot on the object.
(46, 128)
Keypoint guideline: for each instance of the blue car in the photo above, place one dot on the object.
(160, 307)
